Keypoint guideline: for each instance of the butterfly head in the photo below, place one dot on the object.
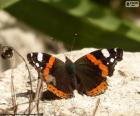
(70, 66)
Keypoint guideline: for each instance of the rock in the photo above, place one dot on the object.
(122, 98)
(24, 39)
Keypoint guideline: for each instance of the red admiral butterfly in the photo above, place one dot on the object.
(87, 75)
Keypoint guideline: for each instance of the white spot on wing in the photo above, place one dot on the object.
(31, 54)
(115, 49)
(37, 64)
(40, 57)
(111, 60)
(105, 52)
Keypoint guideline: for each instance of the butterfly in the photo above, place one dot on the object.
(87, 75)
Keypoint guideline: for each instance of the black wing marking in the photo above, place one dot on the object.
(109, 59)
(38, 60)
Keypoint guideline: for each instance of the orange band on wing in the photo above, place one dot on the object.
(48, 67)
(101, 66)
(57, 92)
(99, 89)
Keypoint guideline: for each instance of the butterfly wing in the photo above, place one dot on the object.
(54, 72)
(92, 69)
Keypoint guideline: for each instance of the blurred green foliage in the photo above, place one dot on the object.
(96, 24)
(6, 3)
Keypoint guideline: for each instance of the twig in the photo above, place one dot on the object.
(37, 95)
(7, 52)
(20, 104)
(13, 95)
(39, 92)
(96, 107)
(30, 99)
(39, 87)
(26, 67)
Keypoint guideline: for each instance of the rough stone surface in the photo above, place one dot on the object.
(122, 98)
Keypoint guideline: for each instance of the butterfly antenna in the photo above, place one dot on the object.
(73, 42)
(75, 37)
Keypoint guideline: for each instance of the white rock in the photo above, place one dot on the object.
(121, 98)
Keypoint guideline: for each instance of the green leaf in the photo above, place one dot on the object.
(6, 3)
(96, 25)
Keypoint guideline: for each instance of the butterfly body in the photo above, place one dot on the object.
(87, 75)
